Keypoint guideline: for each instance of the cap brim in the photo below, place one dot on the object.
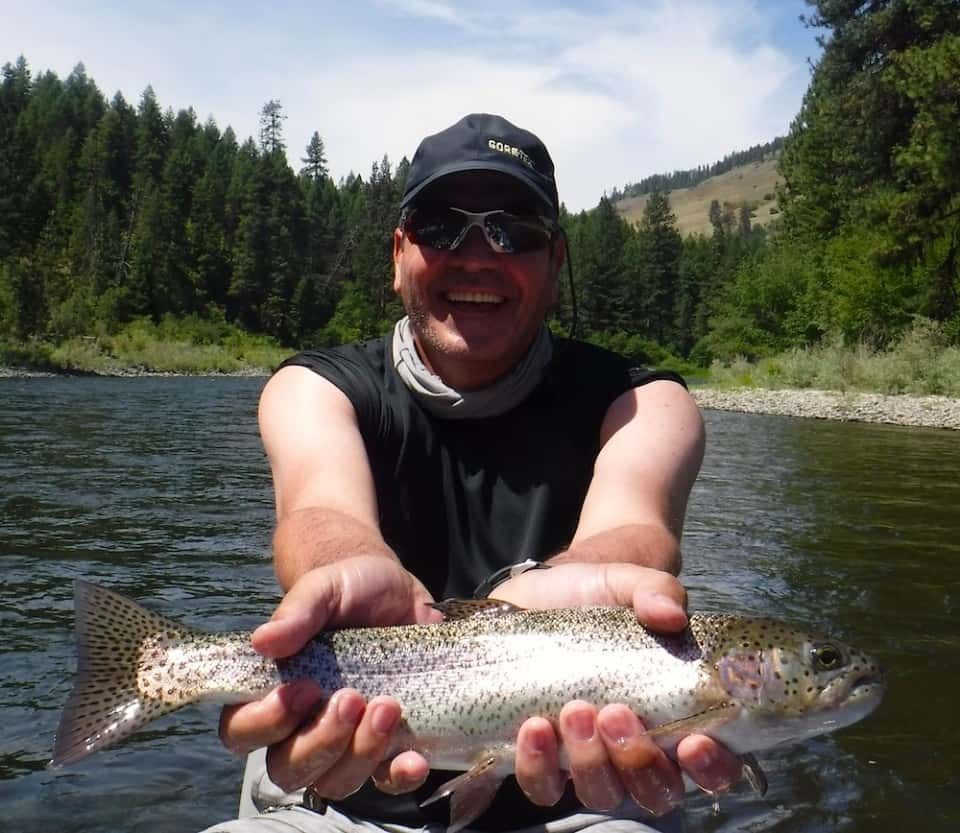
(461, 167)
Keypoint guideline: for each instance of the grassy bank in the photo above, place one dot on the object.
(189, 345)
(920, 363)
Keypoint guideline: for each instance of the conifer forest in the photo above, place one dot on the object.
(113, 212)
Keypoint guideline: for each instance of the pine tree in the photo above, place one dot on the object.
(247, 213)
(598, 249)
(271, 127)
(315, 162)
(206, 230)
(662, 247)
(744, 220)
(15, 159)
(96, 245)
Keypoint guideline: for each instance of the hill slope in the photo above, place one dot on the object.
(753, 183)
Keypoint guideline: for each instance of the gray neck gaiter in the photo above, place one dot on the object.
(446, 403)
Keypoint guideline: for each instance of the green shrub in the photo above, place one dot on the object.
(190, 345)
(920, 362)
(631, 345)
(82, 354)
(32, 354)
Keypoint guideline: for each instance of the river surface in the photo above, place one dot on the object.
(158, 487)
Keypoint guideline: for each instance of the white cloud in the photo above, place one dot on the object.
(429, 9)
(617, 91)
(619, 96)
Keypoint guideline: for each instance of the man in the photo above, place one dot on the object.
(414, 467)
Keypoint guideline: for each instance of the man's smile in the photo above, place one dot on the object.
(461, 296)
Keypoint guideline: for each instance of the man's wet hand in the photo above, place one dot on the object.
(611, 758)
(334, 744)
(657, 597)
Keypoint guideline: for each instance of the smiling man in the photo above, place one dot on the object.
(451, 458)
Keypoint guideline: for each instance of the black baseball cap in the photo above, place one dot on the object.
(482, 142)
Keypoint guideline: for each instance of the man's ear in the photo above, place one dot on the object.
(558, 251)
(398, 243)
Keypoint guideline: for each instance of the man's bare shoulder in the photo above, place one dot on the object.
(662, 406)
(295, 389)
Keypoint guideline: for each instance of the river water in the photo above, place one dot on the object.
(158, 487)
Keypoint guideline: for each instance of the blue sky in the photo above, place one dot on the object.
(617, 90)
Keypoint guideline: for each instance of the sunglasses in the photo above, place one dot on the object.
(506, 233)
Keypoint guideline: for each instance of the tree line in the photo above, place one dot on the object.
(694, 176)
(111, 212)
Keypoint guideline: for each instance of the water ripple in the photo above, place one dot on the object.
(159, 487)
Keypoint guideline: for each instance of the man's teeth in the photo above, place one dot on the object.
(475, 297)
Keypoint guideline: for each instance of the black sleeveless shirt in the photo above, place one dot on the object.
(459, 499)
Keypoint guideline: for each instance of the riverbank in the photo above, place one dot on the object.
(190, 346)
(917, 411)
(903, 409)
(128, 373)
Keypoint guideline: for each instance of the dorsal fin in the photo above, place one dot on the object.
(454, 609)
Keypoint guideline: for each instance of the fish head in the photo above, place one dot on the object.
(791, 684)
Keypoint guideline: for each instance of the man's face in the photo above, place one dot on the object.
(474, 312)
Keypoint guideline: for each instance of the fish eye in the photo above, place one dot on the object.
(827, 657)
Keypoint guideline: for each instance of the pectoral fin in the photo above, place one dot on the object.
(470, 793)
(669, 735)
(754, 774)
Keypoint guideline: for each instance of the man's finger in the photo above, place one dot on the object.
(538, 762)
(709, 764)
(401, 774)
(651, 779)
(595, 780)
(269, 720)
(302, 613)
(366, 750)
(309, 753)
(660, 611)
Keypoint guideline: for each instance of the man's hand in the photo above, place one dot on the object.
(610, 755)
(339, 744)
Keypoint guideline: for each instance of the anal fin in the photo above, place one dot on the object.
(470, 793)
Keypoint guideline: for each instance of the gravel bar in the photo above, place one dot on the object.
(919, 411)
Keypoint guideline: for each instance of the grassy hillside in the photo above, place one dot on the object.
(753, 183)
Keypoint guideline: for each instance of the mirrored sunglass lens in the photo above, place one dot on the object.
(517, 234)
(437, 229)
(498, 233)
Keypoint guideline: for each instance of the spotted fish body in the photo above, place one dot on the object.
(465, 685)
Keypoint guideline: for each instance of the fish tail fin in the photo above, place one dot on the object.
(111, 696)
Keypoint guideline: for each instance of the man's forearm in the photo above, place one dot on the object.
(644, 544)
(312, 537)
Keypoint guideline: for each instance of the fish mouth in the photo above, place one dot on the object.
(865, 689)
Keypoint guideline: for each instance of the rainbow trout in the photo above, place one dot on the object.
(466, 684)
